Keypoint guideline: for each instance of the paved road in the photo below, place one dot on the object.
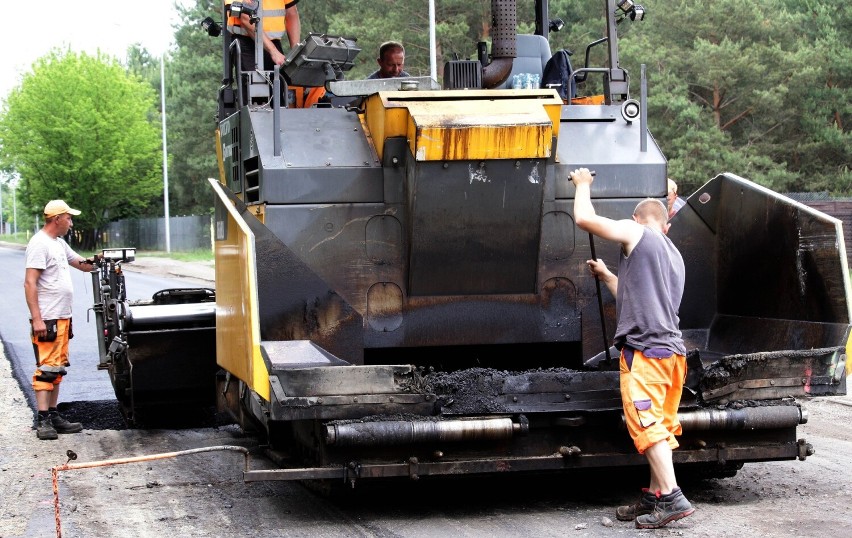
(85, 381)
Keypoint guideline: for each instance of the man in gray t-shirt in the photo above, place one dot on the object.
(49, 293)
(652, 365)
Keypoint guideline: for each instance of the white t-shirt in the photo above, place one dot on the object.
(55, 289)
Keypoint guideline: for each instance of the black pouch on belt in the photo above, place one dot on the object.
(52, 331)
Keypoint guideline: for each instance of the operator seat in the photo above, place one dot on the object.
(533, 52)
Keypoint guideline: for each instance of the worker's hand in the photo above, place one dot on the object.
(94, 260)
(39, 328)
(599, 269)
(277, 57)
(581, 176)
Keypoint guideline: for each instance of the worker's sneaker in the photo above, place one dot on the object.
(668, 508)
(645, 505)
(62, 425)
(45, 429)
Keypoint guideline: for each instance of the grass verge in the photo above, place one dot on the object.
(198, 255)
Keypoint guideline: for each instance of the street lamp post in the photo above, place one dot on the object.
(15, 209)
(433, 67)
(165, 153)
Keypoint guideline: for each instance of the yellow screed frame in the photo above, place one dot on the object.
(237, 327)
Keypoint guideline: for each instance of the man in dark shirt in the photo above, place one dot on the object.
(391, 61)
(648, 291)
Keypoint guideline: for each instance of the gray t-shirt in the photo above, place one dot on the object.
(55, 289)
(377, 74)
(650, 288)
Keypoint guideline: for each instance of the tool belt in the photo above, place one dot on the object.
(52, 330)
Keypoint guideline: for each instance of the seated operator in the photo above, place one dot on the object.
(391, 61)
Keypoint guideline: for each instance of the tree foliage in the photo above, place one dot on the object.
(193, 77)
(79, 128)
(760, 89)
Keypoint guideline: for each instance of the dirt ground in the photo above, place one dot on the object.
(204, 494)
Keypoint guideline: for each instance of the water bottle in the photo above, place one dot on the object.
(534, 81)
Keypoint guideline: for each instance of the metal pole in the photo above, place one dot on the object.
(15, 209)
(258, 38)
(643, 112)
(600, 300)
(433, 53)
(165, 152)
(276, 110)
(2, 223)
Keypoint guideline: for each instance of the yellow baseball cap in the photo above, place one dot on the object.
(58, 207)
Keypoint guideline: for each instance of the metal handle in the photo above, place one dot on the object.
(600, 300)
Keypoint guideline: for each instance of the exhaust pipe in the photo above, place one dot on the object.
(504, 24)
(747, 418)
(399, 432)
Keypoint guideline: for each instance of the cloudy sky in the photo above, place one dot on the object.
(34, 28)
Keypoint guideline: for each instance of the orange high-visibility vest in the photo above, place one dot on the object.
(273, 19)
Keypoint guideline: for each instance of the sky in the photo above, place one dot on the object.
(110, 26)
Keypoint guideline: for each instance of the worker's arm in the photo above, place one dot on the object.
(268, 46)
(84, 264)
(31, 294)
(626, 231)
(293, 25)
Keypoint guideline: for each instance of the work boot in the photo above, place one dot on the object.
(45, 429)
(669, 508)
(645, 505)
(62, 425)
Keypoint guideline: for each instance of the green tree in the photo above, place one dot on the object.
(760, 89)
(193, 77)
(820, 145)
(78, 128)
(142, 64)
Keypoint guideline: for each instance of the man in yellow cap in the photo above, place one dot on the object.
(49, 293)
